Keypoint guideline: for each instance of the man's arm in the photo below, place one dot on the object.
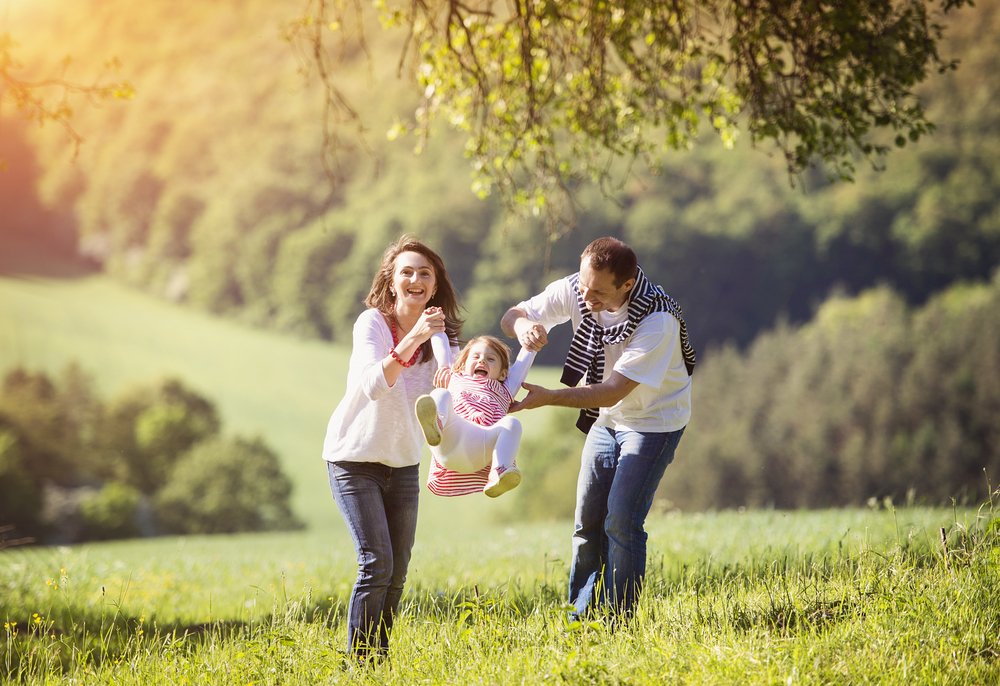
(604, 394)
(530, 334)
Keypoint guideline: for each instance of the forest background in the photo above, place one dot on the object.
(849, 333)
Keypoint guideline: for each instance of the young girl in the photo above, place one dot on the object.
(464, 419)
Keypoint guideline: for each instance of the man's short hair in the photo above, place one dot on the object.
(609, 254)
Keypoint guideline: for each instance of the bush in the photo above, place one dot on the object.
(20, 497)
(149, 428)
(111, 512)
(226, 486)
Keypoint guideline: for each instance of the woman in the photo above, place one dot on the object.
(373, 442)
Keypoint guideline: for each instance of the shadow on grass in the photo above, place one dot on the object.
(75, 637)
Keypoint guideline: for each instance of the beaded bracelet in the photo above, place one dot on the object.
(395, 356)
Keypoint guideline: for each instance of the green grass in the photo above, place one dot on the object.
(279, 387)
(847, 596)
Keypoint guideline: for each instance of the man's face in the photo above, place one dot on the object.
(599, 291)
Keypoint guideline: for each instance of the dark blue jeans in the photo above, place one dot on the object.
(379, 504)
(619, 473)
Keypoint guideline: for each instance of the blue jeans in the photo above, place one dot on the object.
(379, 504)
(619, 473)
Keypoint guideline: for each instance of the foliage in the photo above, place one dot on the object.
(152, 427)
(549, 93)
(21, 504)
(169, 197)
(111, 512)
(223, 486)
(56, 426)
(887, 596)
(869, 400)
(75, 468)
(49, 100)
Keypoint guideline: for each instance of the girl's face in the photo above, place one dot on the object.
(484, 361)
(413, 280)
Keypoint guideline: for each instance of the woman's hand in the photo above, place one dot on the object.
(430, 322)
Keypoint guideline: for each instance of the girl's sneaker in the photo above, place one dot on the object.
(502, 480)
(427, 416)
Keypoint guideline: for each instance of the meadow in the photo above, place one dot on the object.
(763, 597)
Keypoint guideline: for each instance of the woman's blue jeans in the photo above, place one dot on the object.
(619, 474)
(379, 504)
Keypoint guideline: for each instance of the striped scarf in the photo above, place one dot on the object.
(586, 350)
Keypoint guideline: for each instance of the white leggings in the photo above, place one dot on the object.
(467, 447)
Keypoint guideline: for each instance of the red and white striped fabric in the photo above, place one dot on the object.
(483, 401)
(441, 481)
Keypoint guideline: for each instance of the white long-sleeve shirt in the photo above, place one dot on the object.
(375, 422)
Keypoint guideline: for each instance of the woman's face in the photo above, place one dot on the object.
(484, 361)
(413, 280)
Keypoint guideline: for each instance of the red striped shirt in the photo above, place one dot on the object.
(483, 401)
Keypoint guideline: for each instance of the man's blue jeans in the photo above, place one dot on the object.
(379, 504)
(619, 473)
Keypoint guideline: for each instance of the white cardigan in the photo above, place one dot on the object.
(375, 422)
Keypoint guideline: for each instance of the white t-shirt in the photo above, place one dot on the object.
(651, 356)
(375, 422)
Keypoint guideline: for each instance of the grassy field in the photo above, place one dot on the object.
(263, 383)
(835, 597)
(850, 596)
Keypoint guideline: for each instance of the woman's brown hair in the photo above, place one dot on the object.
(380, 295)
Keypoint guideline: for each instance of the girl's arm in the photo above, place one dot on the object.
(519, 371)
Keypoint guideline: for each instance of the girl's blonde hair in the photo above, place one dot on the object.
(498, 346)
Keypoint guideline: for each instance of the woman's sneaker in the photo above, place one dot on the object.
(502, 480)
(427, 416)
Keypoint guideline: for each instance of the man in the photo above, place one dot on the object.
(630, 347)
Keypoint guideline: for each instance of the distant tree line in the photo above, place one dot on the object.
(870, 399)
(150, 461)
(167, 196)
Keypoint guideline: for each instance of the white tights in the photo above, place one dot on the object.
(467, 447)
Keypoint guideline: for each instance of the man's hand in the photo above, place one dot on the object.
(538, 396)
(531, 335)
(604, 394)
